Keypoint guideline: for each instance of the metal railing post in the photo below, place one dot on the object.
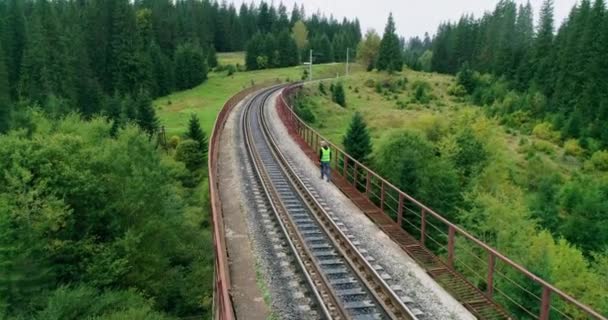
(451, 240)
(491, 263)
(355, 174)
(545, 303)
(422, 226)
(345, 167)
(400, 210)
(382, 196)
(367, 184)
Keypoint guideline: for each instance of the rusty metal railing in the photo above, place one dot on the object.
(222, 302)
(493, 272)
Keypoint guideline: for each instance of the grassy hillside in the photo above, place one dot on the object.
(234, 58)
(208, 98)
(387, 110)
(523, 191)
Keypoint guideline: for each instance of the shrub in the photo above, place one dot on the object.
(572, 148)
(189, 152)
(322, 88)
(231, 69)
(338, 95)
(421, 92)
(304, 112)
(401, 105)
(174, 142)
(599, 160)
(457, 90)
(544, 147)
(370, 83)
(378, 87)
(545, 131)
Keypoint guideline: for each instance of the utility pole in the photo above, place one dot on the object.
(310, 67)
(347, 53)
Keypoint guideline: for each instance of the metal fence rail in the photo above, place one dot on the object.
(490, 272)
(222, 302)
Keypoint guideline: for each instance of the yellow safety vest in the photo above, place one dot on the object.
(325, 155)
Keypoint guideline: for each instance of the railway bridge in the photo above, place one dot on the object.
(355, 248)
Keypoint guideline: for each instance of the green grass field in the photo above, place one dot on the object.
(381, 112)
(208, 98)
(387, 112)
(234, 58)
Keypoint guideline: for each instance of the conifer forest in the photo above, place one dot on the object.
(104, 217)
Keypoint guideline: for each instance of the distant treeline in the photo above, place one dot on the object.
(563, 76)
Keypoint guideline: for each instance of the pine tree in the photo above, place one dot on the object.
(5, 106)
(190, 66)
(197, 134)
(523, 51)
(15, 43)
(338, 95)
(265, 18)
(146, 115)
(322, 49)
(288, 50)
(367, 50)
(357, 141)
(123, 59)
(543, 47)
(162, 71)
(389, 56)
(255, 49)
(34, 80)
(211, 57)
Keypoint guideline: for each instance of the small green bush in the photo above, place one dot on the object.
(231, 69)
(378, 87)
(421, 92)
(174, 142)
(189, 152)
(599, 160)
(545, 131)
(573, 148)
(544, 147)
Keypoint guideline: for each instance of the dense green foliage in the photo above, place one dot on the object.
(5, 106)
(190, 66)
(412, 164)
(72, 55)
(94, 225)
(536, 74)
(367, 50)
(266, 51)
(390, 56)
(357, 141)
(279, 42)
(539, 202)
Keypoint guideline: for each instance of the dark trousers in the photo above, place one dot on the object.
(325, 170)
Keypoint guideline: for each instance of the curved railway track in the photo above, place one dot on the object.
(342, 283)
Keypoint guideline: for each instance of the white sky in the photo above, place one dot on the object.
(413, 17)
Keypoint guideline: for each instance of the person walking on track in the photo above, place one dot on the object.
(325, 158)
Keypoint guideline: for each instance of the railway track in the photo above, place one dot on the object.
(342, 283)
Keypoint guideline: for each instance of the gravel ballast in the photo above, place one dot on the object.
(428, 296)
(271, 277)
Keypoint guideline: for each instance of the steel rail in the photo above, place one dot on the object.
(382, 291)
(386, 298)
(318, 285)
